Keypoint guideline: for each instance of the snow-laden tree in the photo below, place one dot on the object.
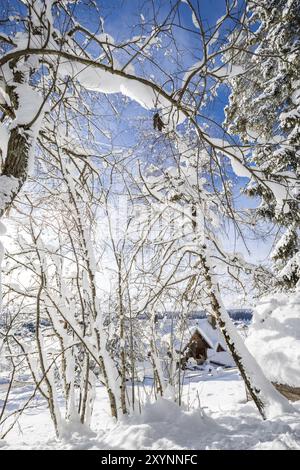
(47, 54)
(197, 251)
(264, 110)
(53, 71)
(50, 274)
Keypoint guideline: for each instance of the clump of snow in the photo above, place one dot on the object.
(2, 228)
(195, 21)
(29, 103)
(235, 155)
(280, 191)
(292, 267)
(8, 187)
(110, 82)
(274, 337)
(4, 98)
(193, 70)
(162, 425)
(4, 137)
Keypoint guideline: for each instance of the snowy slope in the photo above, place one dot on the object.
(214, 415)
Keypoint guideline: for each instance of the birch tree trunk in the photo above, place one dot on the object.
(122, 337)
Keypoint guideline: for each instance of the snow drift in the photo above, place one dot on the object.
(162, 425)
(274, 337)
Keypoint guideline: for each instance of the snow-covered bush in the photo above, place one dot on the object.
(274, 337)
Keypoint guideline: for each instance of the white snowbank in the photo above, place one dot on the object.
(162, 425)
(274, 337)
(231, 424)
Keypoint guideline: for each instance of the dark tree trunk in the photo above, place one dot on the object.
(261, 394)
(15, 164)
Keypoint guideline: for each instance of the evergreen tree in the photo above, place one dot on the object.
(264, 110)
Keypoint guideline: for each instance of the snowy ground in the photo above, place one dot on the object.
(222, 421)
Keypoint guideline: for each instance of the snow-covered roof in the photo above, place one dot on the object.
(222, 358)
(212, 336)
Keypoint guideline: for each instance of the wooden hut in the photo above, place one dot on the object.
(204, 342)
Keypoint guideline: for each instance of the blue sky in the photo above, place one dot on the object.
(124, 19)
